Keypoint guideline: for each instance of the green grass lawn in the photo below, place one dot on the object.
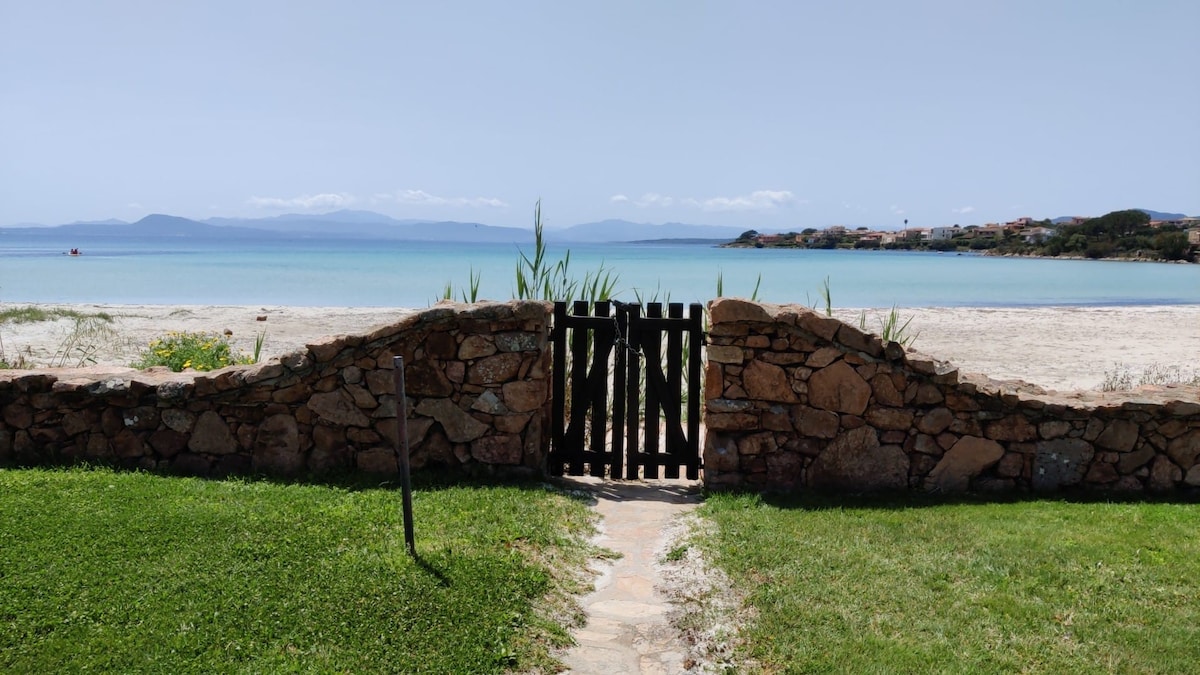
(904, 587)
(129, 572)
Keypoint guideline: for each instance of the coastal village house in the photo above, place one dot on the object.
(1037, 235)
(1025, 227)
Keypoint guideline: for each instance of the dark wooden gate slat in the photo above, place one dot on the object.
(602, 339)
(618, 416)
(656, 382)
(672, 406)
(559, 389)
(633, 393)
(696, 342)
(651, 341)
(575, 433)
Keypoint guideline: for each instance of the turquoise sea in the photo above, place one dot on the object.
(316, 272)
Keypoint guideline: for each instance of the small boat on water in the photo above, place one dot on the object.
(74, 252)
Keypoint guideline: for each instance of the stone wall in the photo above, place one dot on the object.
(796, 400)
(477, 383)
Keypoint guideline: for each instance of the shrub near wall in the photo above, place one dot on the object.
(796, 400)
(477, 382)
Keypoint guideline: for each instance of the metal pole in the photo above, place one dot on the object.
(402, 452)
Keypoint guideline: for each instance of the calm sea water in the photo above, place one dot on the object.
(409, 274)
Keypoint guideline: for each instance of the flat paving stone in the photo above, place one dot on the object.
(627, 629)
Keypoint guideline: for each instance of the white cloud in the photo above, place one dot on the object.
(423, 197)
(325, 200)
(655, 199)
(759, 200)
(965, 209)
(896, 210)
(134, 205)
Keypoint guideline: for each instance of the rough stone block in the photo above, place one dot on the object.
(377, 461)
(495, 369)
(935, 421)
(766, 382)
(855, 462)
(736, 310)
(212, 436)
(1164, 474)
(1119, 435)
(337, 407)
(499, 449)
(720, 455)
(886, 393)
(824, 327)
(969, 457)
(277, 447)
(890, 418)
(1183, 450)
(458, 425)
(525, 396)
(731, 421)
(725, 354)
(839, 388)
(1011, 428)
(1053, 429)
(1060, 463)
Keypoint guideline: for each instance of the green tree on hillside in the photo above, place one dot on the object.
(1172, 245)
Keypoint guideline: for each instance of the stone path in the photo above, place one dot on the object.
(627, 629)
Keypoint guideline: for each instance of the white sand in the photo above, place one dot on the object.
(135, 326)
(1058, 348)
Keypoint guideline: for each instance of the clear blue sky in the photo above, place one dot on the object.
(771, 115)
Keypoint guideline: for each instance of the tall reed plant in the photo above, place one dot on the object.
(540, 278)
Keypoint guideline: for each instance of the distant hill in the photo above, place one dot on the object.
(107, 221)
(339, 225)
(348, 224)
(1159, 215)
(624, 230)
(1154, 215)
(156, 225)
(368, 225)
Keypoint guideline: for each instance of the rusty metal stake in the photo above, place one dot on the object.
(402, 452)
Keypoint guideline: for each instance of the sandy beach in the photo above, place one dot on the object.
(1061, 348)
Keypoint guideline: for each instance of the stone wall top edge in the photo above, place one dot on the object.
(735, 310)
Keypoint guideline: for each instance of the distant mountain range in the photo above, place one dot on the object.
(1154, 215)
(348, 224)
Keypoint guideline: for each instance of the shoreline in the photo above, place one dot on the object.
(986, 253)
(1056, 347)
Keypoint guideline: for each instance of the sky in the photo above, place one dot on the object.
(769, 115)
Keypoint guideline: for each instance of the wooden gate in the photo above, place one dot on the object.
(640, 361)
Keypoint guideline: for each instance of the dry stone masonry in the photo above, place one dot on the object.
(477, 384)
(796, 400)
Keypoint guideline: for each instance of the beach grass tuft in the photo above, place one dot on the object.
(88, 335)
(32, 314)
(131, 572)
(1123, 377)
(181, 351)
